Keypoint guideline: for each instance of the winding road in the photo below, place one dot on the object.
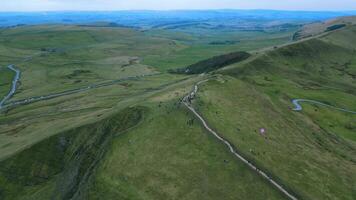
(5, 104)
(298, 107)
(69, 92)
(187, 102)
(13, 86)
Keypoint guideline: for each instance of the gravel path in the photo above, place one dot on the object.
(187, 102)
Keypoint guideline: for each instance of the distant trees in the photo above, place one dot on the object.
(213, 63)
(335, 27)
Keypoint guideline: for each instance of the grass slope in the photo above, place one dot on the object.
(171, 156)
(53, 148)
(6, 77)
(50, 56)
(60, 167)
(318, 28)
(60, 52)
(202, 45)
(313, 151)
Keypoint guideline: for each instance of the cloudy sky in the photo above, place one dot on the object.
(46, 5)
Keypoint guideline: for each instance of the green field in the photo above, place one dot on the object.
(61, 57)
(197, 48)
(166, 157)
(295, 149)
(312, 151)
(135, 139)
(6, 77)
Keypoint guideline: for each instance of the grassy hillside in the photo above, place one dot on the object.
(26, 125)
(61, 166)
(134, 140)
(170, 156)
(318, 28)
(6, 77)
(201, 45)
(67, 57)
(167, 155)
(312, 151)
(54, 58)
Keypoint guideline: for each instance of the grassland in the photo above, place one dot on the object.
(65, 161)
(87, 55)
(170, 156)
(195, 165)
(6, 77)
(55, 58)
(312, 151)
(317, 28)
(133, 140)
(23, 126)
(198, 46)
(295, 149)
(203, 172)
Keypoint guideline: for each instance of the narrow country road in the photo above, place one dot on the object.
(13, 86)
(6, 103)
(298, 107)
(68, 92)
(187, 102)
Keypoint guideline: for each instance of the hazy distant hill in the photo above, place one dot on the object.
(154, 18)
(314, 29)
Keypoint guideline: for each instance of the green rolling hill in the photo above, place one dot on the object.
(135, 139)
(312, 151)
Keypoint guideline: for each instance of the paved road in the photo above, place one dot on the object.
(69, 92)
(4, 103)
(298, 107)
(13, 86)
(187, 102)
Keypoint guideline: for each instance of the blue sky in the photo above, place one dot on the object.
(46, 5)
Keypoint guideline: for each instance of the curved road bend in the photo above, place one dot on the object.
(13, 87)
(16, 78)
(298, 107)
(186, 101)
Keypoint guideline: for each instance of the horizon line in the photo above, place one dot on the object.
(175, 10)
